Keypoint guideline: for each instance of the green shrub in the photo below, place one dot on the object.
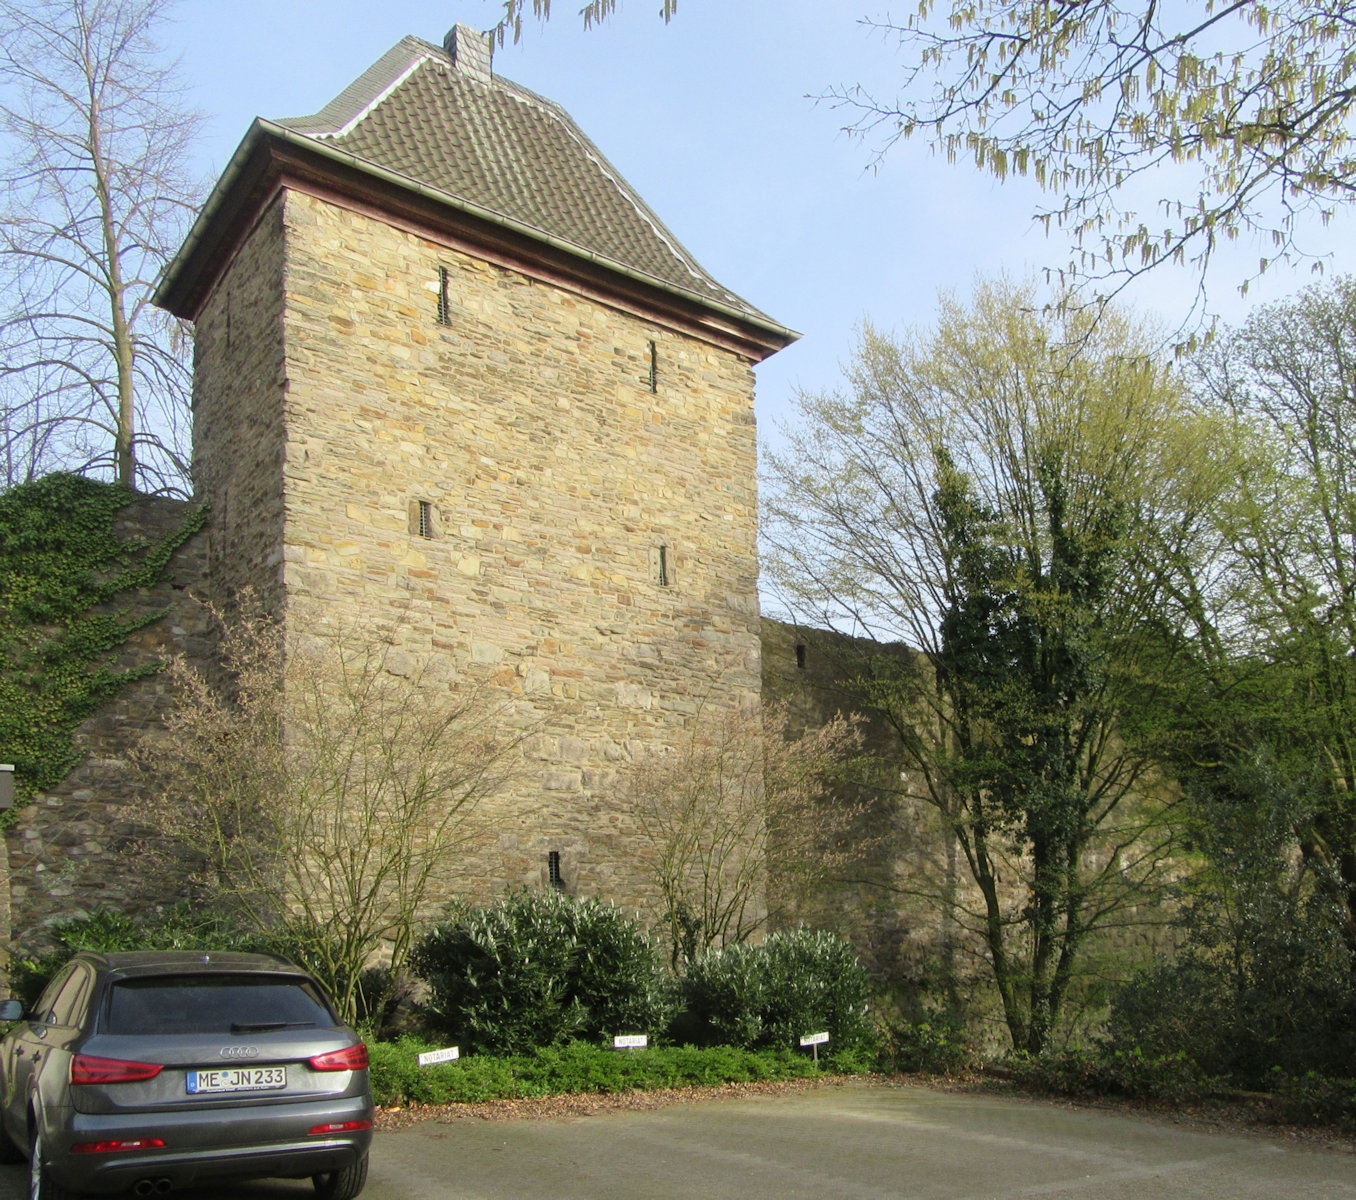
(1262, 977)
(1285, 1001)
(538, 969)
(575, 1067)
(179, 926)
(1313, 1099)
(937, 1046)
(771, 995)
(1172, 1078)
(182, 926)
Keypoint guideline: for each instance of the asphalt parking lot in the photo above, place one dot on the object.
(855, 1142)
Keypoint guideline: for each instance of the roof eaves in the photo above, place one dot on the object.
(741, 311)
(169, 277)
(262, 128)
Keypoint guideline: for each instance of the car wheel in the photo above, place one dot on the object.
(343, 1184)
(40, 1185)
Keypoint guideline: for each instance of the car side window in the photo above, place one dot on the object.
(42, 1010)
(70, 1004)
(63, 997)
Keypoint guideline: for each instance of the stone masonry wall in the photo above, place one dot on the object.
(238, 435)
(900, 936)
(592, 553)
(74, 849)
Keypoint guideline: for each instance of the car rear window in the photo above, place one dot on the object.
(214, 1004)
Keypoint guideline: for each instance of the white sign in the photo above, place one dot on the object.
(814, 1039)
(437, 1056)
(630, 1041)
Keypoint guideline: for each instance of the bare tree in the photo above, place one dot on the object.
(316, 787)
(96, 194)
(741, 821)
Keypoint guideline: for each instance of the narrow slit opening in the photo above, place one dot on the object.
(444, 298)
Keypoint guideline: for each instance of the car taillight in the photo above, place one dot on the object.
(352, 1059)
(114, 1147)
(89, 1068)
(342, 1127)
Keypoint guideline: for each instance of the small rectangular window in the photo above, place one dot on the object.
(553, 874)
(444, 298)
(423, 519)
(662, 565)
(654, 367)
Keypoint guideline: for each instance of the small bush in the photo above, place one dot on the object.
(1313, 1099)
(177, 927)
(937, 1046)
(1172, 1078)
(538, 969)
(771, 995)
(1241, 1023)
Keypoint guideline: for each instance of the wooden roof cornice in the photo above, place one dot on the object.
(273, 158)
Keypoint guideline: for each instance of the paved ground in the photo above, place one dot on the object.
(859, 1142)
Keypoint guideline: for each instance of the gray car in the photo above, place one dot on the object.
(156, 1070)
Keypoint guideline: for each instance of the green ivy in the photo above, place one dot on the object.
(62, 569)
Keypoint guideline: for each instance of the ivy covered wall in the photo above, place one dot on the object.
(96, 588)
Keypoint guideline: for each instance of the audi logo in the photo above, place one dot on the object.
(240, 1052)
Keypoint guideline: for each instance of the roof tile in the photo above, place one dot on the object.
(503, 148)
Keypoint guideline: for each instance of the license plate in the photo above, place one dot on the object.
(237, 1079)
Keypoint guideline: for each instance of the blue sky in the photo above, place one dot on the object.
(711, 118)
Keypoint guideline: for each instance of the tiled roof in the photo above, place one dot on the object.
(442, 120)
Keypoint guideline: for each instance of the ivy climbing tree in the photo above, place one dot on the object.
(63, 572)
(1008, 494)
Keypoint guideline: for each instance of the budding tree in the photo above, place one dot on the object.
(741, 821)
(315, 787)
(1237, 114)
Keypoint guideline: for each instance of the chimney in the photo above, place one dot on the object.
(470, 51)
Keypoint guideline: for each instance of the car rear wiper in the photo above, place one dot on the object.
(268, 1026)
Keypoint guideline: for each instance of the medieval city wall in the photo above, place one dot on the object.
(80, 846)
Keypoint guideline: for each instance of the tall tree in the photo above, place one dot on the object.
(1007, 494)
(96, 194)
(1288, 375)
(1254, 100)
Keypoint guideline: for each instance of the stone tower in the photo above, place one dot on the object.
(458, 388)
